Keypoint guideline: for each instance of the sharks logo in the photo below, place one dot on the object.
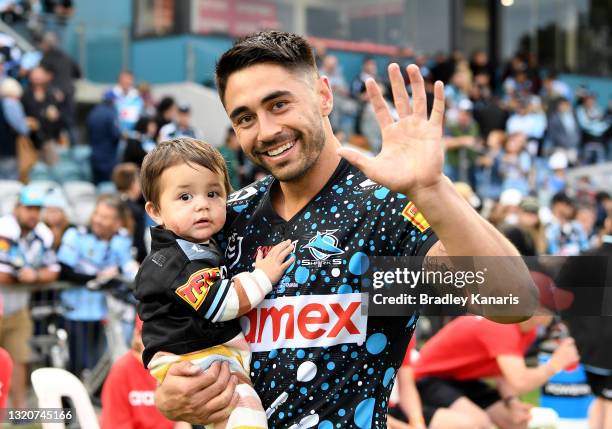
(323, 247)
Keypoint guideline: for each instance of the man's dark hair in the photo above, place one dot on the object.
(274, 47)
(561, 197)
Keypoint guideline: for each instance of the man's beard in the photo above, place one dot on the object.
(310, 152)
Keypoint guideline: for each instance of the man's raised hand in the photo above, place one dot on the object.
(412, 152)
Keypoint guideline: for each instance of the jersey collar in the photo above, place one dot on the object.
(267, 208)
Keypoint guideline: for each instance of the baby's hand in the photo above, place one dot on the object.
(274, 264)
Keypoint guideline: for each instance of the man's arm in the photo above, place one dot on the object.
(519, 379)
(411, 162)
(410, 400)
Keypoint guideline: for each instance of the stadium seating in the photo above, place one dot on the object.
(9, 191)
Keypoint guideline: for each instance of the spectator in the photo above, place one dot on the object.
(595, 128)
(166, 113)
(586, 216)
(529, 221)
(103, 252)
(489, 176)
(528, 119)
(128, 101)
(144, 89)
(140, 141)
(104, 134)
(6, 372)
(453, 362)
(126, 177)
(557, 164)
(128, 394)
(564, 131)
(231, 152)
(479, 65)
(10, 53)
(488, 113)
(12, 125)
(26, 257)
(458, 88)
(181, 127)
(461, 143)
(515, 164)
(369, 69)
(565, 235)
(345, 108)
(64, 71)
(55, 216)
(43, 106)
(554, 89)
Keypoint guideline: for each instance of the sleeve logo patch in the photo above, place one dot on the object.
(195, 290)
(415, 217)
(5, 245)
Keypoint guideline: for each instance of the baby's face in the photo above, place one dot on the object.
(192, 202)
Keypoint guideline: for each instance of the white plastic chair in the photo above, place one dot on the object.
(9, 191)
(78, 191)
(50, 384)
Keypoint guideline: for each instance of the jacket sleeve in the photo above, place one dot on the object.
(217, 299)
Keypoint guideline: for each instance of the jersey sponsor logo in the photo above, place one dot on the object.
(234, 249)
(195, 290)
(306, 321)
(139, 398)
(242, 194)
(415, 217)
(323, 247)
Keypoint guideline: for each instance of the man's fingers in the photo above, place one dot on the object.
(383, 114)
(224, 413)
(437, 112)
(398, 88)
(419, 99)
(222, 401)
(359, 160)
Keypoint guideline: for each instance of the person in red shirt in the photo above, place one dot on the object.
(452, 364)
(6, 371)
(128, 394)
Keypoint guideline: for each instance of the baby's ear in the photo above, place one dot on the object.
(152, 211)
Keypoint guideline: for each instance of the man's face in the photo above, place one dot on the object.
(183, 119)
(27, 216)
(38, 76)
(126, 81)
(105, 221)
(278, 117)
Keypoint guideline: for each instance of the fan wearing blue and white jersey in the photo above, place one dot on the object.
(319, 359)
(26, 257)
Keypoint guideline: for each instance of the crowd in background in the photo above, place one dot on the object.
(511, 137)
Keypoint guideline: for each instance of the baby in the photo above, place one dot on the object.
(187, 305)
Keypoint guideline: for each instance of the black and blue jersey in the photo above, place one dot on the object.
(318, 359)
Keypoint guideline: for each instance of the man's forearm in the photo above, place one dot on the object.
(463, 232)
(458, 226)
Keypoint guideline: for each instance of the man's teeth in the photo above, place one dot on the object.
(281, 149)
